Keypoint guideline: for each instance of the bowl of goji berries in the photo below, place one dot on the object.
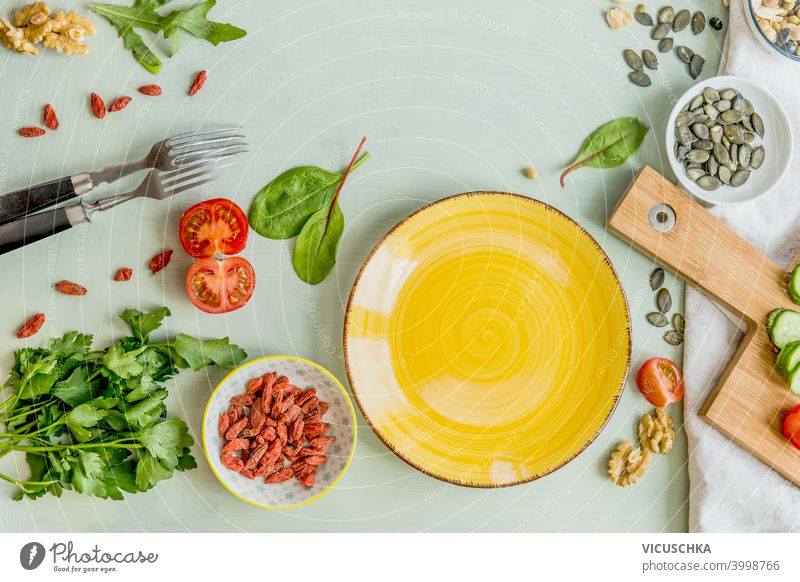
(279, 432)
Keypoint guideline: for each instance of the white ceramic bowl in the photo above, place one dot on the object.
(777, 142)
(750, 15)
(341, 416)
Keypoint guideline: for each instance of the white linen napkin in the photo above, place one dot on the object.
(729, 489)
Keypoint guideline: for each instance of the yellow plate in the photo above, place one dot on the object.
(487, 339)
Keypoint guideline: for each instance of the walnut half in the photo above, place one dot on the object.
(657, 434)
(628, 464)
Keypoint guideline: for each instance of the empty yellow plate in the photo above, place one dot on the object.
(487, 339)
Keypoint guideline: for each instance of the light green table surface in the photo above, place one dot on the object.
(454, 95)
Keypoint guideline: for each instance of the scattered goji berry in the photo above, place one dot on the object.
(98, 106)
(30, 327)
(124, 274)
(31, 131)
(160, 261)
(152, 90)
(119, 104)
(50, 118)
(70, 288)
(198, 83)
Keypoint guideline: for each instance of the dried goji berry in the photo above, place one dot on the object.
(280, 476)
(224, 423)
(70, 288)
(244, 400)
(124, 274)
(98, 107)
(283, 437)
(198, 83)
(254, 385)
(235, 445)
(321, 442)
(152, 90)
(50, 119)
(316, 460)
(31, 131)
(232, 462)
(236, 428)
(31, 326)
(160, 261)
(119, 104)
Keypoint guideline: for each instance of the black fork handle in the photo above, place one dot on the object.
(26, 201)
(18, 233)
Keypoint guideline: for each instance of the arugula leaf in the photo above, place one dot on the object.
(143, 324)
(194, 21)
(125, 19)
(198, 353)
(123, 364)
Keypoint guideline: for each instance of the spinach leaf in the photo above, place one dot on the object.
(198, 353)
(609, 145)
(315, 252)
(283, 206)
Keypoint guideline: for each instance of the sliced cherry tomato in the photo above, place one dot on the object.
(213, 227)
(660, 382)
(791, 426)
(220, 285)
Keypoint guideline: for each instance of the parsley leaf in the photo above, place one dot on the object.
(143, 324)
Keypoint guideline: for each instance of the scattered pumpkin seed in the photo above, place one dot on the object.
(643, 17)
(684, 53)
(650, 60)
(696, 65)
(698, 22)
(657, 279)
(663, 300)
(679, 323)
(681, 21)
(657, 319)
(632, 59)
(665, 45)
(660, 31)
(666, 15)
(673, 338)
(639, 78)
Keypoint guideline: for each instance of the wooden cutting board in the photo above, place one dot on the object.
(750, 399)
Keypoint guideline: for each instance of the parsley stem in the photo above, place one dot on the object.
(115, 445)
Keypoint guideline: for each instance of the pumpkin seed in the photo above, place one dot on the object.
(734, 133)
(684, 118)
(740, 178)
(632, 59)
(724, 175)
(738, 103)
(757, 158)
(643, 18)
(666, 15)
(700, 130)
(660, 31)
(703, 144)
(639, 78)
(698, 156)
(713, 166)
(695, 174)
(657, 279)
(663, 300)
(684, 53)
(728, 94)
(665, 45)
(745, 155)
(679, 323)
(711, 111)
(721, 154)
(697, 101)
(709, 183)
(673, 338)
(698, 22)
(685, 136)
(748, 108)
(722, 105)
(696, 66)
(681, 20)
(715, 133)
(710, 95)
(734, 153)
(657, 319)
(650, 60)
(731, 116)
(758, 124)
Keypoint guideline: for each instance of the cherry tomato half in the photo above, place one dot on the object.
(791, 426)
(213, 227)
(220, 285)
(660, 382)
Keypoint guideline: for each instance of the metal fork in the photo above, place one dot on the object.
(185, 150)
(157, 185)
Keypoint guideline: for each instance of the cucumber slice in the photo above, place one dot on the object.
(794, 285)
(772, 315)
(789, 359)
(794, 380)
(785, 328)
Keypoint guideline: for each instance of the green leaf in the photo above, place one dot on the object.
(123, 476)
(87, 477)
(142, 387)
(317, 245)
(166, 440)
(198, 353)
(75, 389)
(70, 345)
(283, 206)
(125, 19)
(186, 461)
(88, 415)
(194, 21)
(143, 324)
(147, 411)
(150, 471)
(609, 145)
(36, 370)
(123, 364)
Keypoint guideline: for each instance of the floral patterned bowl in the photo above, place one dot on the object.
(341, 416)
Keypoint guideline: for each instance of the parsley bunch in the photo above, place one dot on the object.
(95, 421)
